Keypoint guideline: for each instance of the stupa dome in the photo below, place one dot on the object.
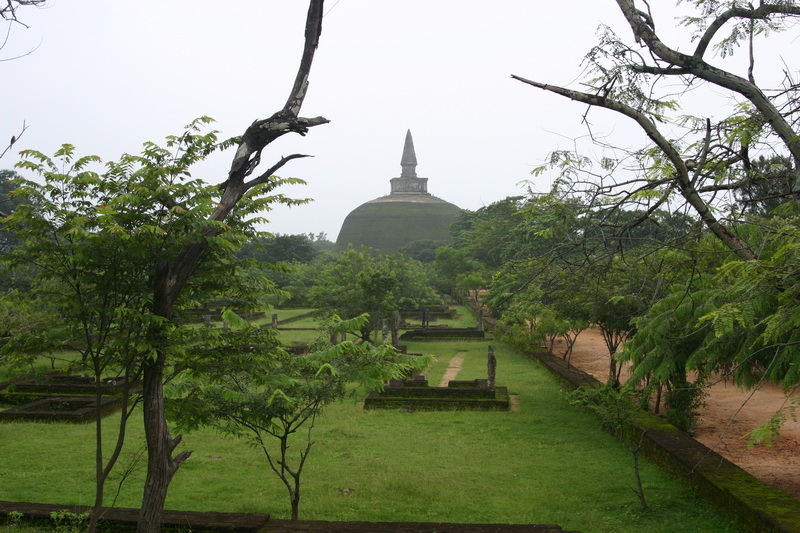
(407, 214)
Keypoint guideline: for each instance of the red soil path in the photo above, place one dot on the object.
(728, 415)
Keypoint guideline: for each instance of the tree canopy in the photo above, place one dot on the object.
(361, 281)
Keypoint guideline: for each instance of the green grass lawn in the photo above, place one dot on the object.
(305, 336)
(290, 314)
(548, 462)
(59, 360)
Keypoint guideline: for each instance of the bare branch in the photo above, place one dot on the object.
(695, 66)
(172, 273)
(14, 139)
(263, 178)
(762, 12)
(681, 176)
(9, 10)
(262, 132)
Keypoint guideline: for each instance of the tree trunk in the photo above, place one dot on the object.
(639, 488)
(99, 477)
(161, 466)
(171, 276)
(612, 372)
(296, 505)
(658, 400)
(102, 471)
(156, 434)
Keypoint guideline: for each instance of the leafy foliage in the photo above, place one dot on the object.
(99, 238)
(268, 395)
(449, 264)
(725, 306)
(357, 282)
(280, 248)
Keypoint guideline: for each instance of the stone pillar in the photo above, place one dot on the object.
(207, 320)
(425, 320)
(334, 339)
(384, 330)
(480, 320)
(491, 368)
(274, 320)
(395, 328)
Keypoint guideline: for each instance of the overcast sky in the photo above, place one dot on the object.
(108, 75)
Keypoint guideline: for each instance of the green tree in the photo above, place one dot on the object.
(26, 330)
(735, 169)
(18, 279)
(471, 282)
(268, 400)
(483, 233)
(423, 250)
(279, 249)
(7, 205)
(93, 267)
(448, 265)
(767, 185)
(194, 230)
(97, 242)
(728, 316)
(321, 243)
(358, 282)
(528, 324)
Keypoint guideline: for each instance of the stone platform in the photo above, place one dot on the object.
(415, 394)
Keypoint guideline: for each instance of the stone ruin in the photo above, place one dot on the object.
(56, 396)
(435, 332)
(415, 394)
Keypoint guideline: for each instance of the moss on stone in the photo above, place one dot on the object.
(391, 222)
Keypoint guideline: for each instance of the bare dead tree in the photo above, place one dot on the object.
(173, 274)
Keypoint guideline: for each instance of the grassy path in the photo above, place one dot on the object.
(453, 368)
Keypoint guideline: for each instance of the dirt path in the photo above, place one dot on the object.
(728, 415)
(453, 368)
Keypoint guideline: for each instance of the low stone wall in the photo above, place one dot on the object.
(434, 312)
(79, 410)
(57, 383)
(442, 334)
(730, 490)
(431, 393)
(124, 519)
(57, 397)
(433, 399)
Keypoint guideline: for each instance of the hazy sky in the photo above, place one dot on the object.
(109, 75)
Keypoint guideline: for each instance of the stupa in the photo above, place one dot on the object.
(408, 213)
